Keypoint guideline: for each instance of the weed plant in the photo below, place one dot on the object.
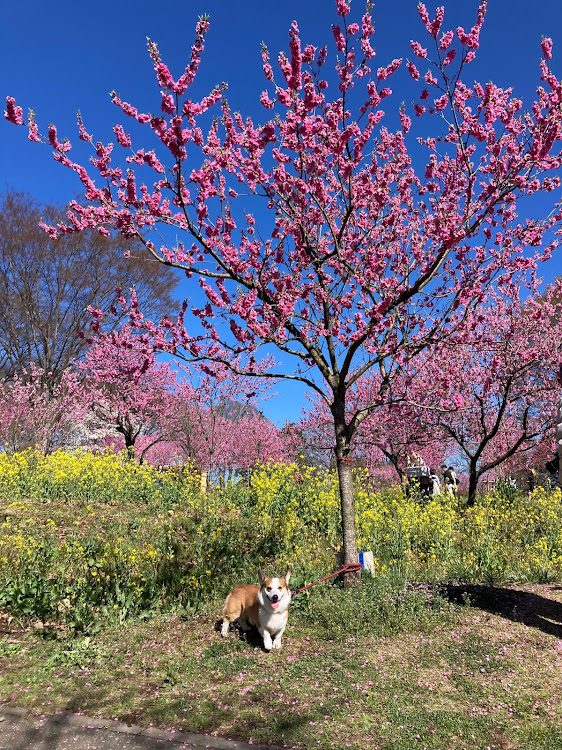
(87, 539)
(381, 606)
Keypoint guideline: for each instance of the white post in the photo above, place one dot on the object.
(367, 561)
(203, 485)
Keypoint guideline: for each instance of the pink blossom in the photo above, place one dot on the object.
(294, 81)
(52, 135)
(384, 73)
(168, 104)
(83, 133)
(418, 50)
(468, 40)
(33, 131)
(342, 8)
(413, 71)
(435, 27)
(546, 45)
(446, 40)
(13, 113)
(122, 138)
(424, 15)
(449, 57)
(430, 78)
(339, 38)
(266, 101)
(406, 122)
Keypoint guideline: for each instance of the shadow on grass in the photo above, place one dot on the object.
(250, 636)
(28, 732)
(519, 606)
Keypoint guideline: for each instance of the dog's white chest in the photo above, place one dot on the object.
(273, 621)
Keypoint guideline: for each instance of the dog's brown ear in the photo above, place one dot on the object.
(261, 576)
(287, 576)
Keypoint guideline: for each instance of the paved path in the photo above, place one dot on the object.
(20, 730)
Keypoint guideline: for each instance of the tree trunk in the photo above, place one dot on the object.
(347, 504)
(396, 463)
(129, 438)
(559, 434)
(472, 485)
(130, 448)
(347, 501)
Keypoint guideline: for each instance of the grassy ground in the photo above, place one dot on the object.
(486, 674)
(111, 579)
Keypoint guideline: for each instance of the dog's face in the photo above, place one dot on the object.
(275, 591)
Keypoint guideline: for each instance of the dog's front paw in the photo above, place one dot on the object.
(224, 628)
(276, 644)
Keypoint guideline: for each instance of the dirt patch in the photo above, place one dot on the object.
(9, 627)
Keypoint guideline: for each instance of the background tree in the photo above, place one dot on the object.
(32, 416)
(492, 392)
(47, 286)
(256, 441)
(398, 429)
(126, 389)
(368, 255)
(209, 416)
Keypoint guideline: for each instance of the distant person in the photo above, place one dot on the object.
(553, 467)
(449, 479)
(415, 460)
(435, 484)
(531, 481)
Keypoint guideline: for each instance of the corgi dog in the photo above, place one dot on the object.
(263, 606)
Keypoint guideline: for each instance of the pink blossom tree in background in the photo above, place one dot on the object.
(34, 413)
(353, 256)
(206, 411)
(125, 388)
(394, 433)
(163, 454)
(492, 391)
(399, 429)
(257, 440)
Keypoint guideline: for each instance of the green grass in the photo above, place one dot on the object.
(454, 677)
(109, 607)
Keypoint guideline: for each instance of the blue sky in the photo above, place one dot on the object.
(58, 58)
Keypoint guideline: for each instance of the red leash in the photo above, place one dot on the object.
(350, 568)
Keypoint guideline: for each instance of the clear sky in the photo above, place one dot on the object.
(59, 57)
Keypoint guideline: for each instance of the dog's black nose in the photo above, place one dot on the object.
(274, 598)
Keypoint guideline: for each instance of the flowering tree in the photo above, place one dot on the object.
(212, 415)
(369, 255)
(402, 432)
(492, 390)
(35, 415)
(125, 388)
(394, 433)
(256, 441)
